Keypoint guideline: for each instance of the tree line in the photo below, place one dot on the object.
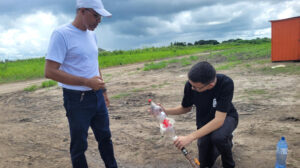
(215, 42)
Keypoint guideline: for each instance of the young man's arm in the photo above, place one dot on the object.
(52, 72)
(211, 126)
(177, 110)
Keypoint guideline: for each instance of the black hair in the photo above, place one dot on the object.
(202, 72)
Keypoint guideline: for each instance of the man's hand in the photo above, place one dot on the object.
(107, 102)
(95, 83)
(163, 109)
(156, 110)
(182, 141)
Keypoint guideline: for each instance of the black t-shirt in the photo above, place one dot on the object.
(218, 98)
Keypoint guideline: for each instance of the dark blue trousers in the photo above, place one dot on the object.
(84, 110)
(216, 143)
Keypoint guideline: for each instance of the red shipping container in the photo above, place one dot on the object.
(286, 39)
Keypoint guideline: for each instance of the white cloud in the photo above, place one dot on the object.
(262, 32)
(140, 23)
(27, 36)
(288, 9)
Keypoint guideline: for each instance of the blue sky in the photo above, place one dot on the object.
(26, 25)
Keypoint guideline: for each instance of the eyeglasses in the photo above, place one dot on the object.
(199, 88)
(96, 15)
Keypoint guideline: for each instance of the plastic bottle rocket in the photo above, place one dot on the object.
(167, 129)
(166, 124)
(157, 112)
(281, 153)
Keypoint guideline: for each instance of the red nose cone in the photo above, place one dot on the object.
(166, 123)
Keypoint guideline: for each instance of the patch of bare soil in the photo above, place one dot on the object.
(34, 130)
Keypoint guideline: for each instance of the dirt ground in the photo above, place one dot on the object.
(34, 130)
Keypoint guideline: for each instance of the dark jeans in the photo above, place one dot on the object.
(216, 143)
(85, 109)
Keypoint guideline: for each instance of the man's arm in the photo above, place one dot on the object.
(107, 102)
(100, 74)
(211, 126)
(52, 72)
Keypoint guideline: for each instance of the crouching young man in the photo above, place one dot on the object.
(216, 117)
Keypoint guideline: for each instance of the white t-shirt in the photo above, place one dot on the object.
(76, 51)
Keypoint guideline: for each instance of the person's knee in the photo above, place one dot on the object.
(103, 136)
(79, 138)
(106, 136)
(203, 141)
(78, 146)
(78, 132)
(218, 138)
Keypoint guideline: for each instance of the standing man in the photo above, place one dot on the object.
(72, 60)
(216, 117)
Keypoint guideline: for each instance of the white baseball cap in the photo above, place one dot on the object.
(96, 5)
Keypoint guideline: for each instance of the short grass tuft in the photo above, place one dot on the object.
(31, 88)
(48, 83)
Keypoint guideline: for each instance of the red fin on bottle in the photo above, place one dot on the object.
(166, 123)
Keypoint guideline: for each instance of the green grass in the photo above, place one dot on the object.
(138, 90)
(48, 83)
(228, 65)
(262, 61)
(160, 85)
(247, 65)
(232, 56)
(45, 84)
(121, 95)
(107, 77)
(255, 91)
(185, 62)
(245, 52)
(163, 64)
(251, 94)
(12, 71)
(154, 66)
(108, 59)
(31, 88)
(264, 66)
(291, 69)
(21, 70)
(172, 61)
